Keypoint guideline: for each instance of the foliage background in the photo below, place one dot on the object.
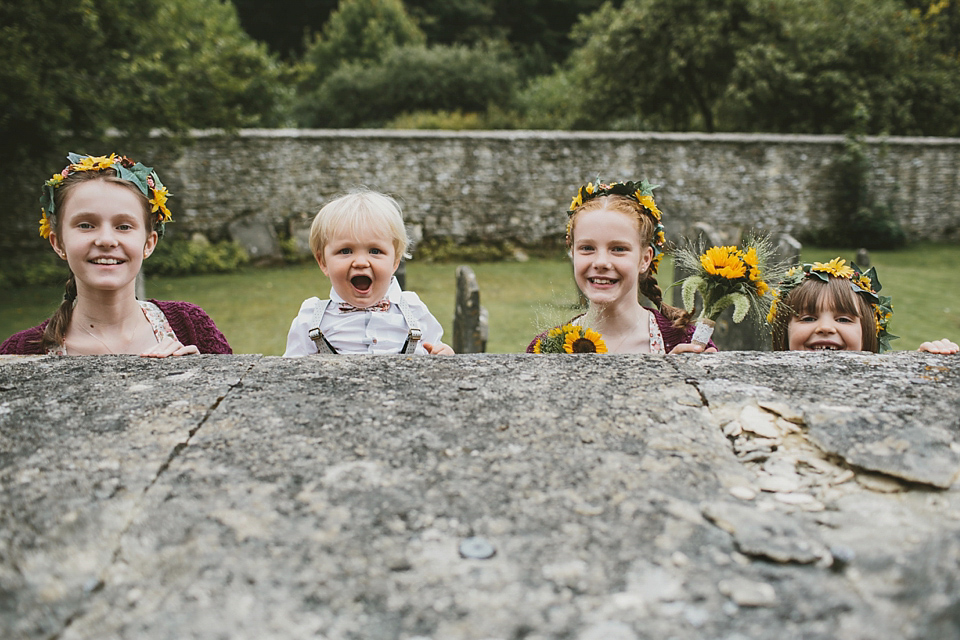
(70, 73)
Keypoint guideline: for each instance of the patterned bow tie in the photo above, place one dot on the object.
(383, 305)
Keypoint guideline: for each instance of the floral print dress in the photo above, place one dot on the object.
(153, 314)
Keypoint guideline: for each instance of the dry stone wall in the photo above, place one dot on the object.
(732, 495)
(515, 185)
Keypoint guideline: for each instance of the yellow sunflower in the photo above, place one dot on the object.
(655, 263)
(725, 262)
(590, 342)
(836, 267)
(55, 180)
(647, 201)
(44, 225)
(159, 202)
(95, 163)
(773, 306)
(536, 346)
(863, 282)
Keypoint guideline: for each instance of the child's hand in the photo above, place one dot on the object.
(438, 349)
(169, 346)
(688, 347)
(944, 347)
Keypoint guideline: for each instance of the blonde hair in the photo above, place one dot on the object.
(357, 213)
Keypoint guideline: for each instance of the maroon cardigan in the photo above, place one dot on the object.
(189, 322)
(672, 336)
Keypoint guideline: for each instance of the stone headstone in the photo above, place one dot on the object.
(863, 258)
(299, 229)
(787, 249)
(258, 239)
(470, 320)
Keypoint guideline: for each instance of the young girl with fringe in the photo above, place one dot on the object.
(104, 215)
(616, 239)
(833, 306)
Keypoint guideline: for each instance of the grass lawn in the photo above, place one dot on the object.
(254, 307)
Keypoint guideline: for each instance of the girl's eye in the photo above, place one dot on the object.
(124, 227)
(376, 251)
(620, 249)
(585, 248)
(845, 319)
(85, 225)
(344, 251)
(807, 318)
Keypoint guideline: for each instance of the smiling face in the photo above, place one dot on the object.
(360, 268)
(825, 330)
(819, 316)
(608, 256)
(103, 235)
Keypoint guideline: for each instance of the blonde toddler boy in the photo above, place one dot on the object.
(358, 241)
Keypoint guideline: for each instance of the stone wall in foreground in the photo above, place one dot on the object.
(516, 185)
(737, 495)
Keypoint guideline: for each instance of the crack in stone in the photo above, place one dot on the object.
(101, 582)
(693, 382)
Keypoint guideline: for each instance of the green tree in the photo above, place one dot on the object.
(359, 31)
(664, 63)
(73, 70)
(285, 26)
(412, 78)
(194, 66)
(769, 65)
(826, 61)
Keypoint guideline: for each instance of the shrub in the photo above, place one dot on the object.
(859, 219)
(179, 257)
(412, 78)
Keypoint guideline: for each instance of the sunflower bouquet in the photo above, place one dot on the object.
(726, 276)
(570, 339)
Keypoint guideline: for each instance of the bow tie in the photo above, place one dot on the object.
(383, 305)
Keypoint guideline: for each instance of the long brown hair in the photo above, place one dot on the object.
(813, 295)
(647, 283)
(56, 329)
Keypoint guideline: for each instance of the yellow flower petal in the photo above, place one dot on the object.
(836, 267)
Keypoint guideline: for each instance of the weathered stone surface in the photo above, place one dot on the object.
(249, 497)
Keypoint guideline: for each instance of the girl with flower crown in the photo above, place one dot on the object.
(103, 216)
(833, 306)
(615, 237)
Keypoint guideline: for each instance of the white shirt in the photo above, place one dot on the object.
(363, 331)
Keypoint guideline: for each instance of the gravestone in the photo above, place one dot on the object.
(257, 238)
(470, 320)
(863, 258)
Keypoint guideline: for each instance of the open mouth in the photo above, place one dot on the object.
(825, 347)
(107, 261)
(603, 281)
(361, 283)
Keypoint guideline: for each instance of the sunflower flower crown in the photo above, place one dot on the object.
(725, 276)
(570, 339)
(145, 178)
(863, 283)
(641, 192)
